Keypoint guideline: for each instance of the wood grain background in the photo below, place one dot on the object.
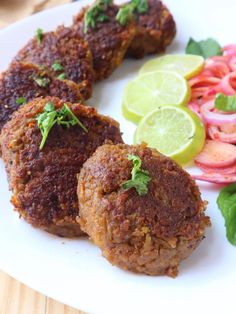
(16, 298)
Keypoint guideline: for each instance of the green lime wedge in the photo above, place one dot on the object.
(153, 90)
(174, 131)
(186, 65)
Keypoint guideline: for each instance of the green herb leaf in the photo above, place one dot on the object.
(125, 14)
(226, 201)
(225, 103)
(66, 113)
(49, 107)
(42, 81)
(56, 66)
(96, 13)
(20, 100)
(46, 120)
(39, 35)
(205, 48)
(139, 179)
(141, 6)
(50, 116)
(61, 76)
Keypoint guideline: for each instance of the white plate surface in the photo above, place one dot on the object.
(73, 271)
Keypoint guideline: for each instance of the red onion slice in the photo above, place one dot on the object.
(216, 134)
(217, 154)
(216, 118)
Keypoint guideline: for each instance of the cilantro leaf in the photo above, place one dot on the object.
(226, 202)
(225, 103)
(61, 76)
(72, 120)
(46, 120)
(141, 6)
(39, 35)
(50, 116)
(96, 13)
(205, 48)
(42, 81)
(126, 12)
(139, 178)
(56, 66)
(20, 100)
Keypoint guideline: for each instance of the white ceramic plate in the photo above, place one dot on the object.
(73, 271)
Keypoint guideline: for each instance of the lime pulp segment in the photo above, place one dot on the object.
(153, 90)
(174, 131)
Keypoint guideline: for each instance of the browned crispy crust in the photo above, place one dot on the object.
(108, 41)
(44, 182)
(150, 234)
(67, 47)
(155, 30)
(19, 81)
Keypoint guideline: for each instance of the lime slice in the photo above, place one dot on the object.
(153, 90)
(174, 131)
(186, 65)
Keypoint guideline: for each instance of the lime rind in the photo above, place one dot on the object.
(171, 135)
(185, 65)
(153, 90)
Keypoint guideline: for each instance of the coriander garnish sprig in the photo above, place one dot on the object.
(39, 35)
(20, 100)
(96, 13)
(139, 178)
(57, 67)
(42, 81)
(50, 116)
(126, 12)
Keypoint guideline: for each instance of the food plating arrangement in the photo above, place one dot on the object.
(68, 168)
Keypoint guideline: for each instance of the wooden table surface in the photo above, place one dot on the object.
(16, 298)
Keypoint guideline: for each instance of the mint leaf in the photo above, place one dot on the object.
(205, 48)
(139, 178)
(225, 103)
(226, 201)
(230, 224)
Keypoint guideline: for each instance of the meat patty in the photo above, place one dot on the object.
(44, 181)
(155, 30)
(151, 233)
(66, 48)
(108, 41)
(24, 80)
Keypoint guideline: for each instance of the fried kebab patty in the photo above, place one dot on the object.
(66, 47)
(30, 81)
(44, 182)
(155, 30)
(108, 41)
(149, 234)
